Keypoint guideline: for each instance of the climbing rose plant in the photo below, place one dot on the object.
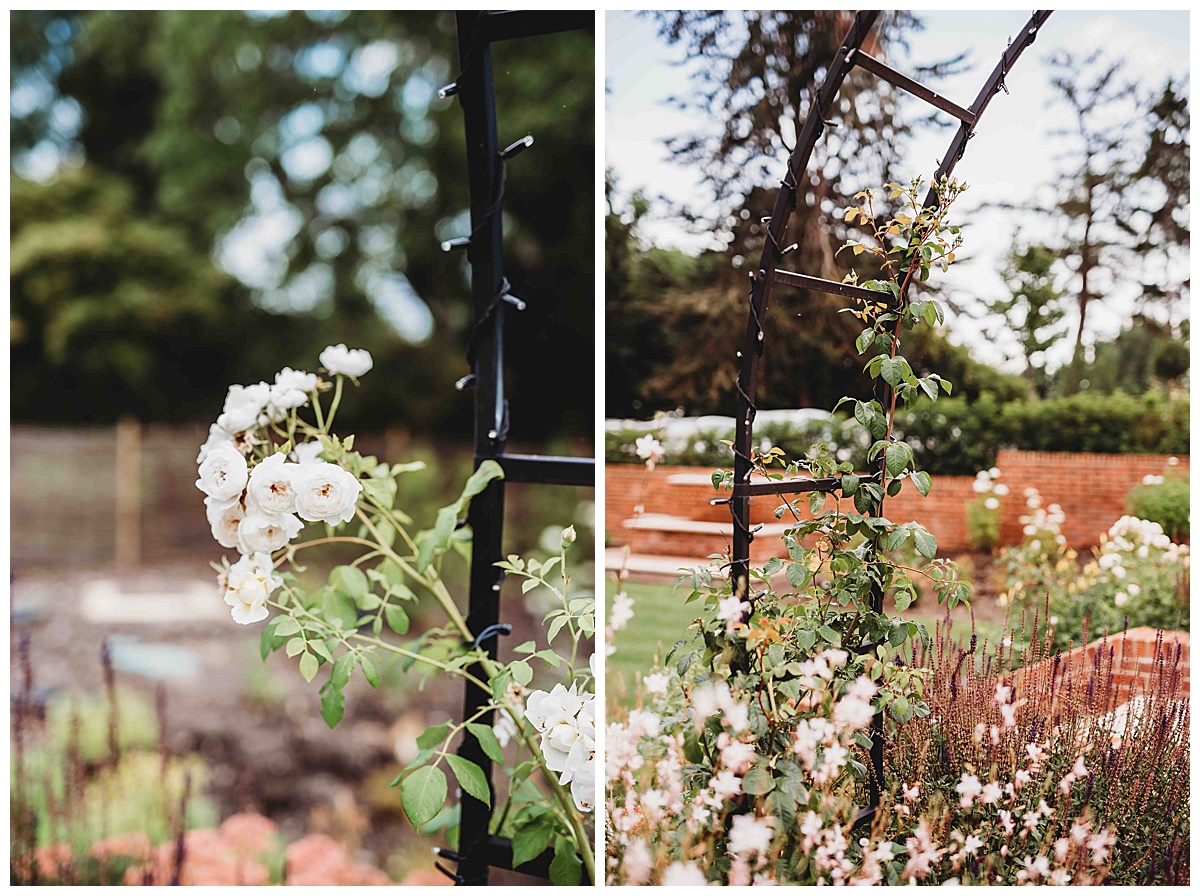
(269, 476)
(781, 689)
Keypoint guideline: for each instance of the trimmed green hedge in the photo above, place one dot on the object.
(954, 437)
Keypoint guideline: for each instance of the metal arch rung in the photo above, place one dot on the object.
(786, 486)
(793, 486)
(917, 89)
(548, 470)
(515, 24)
(849, 290)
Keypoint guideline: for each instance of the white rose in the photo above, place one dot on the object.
(249, 585)
(223, 473)
(291, 390)
(296, 381)
(258, 533)
(243, 404)
(326, 493)
(271, 490)
(981, 486)
(994, 472)
(348, 361)
(225, 517)
(307, 453)
(991, 503)
(217, 438)
(1001, 490)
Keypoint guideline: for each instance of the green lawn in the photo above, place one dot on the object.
(661, 618)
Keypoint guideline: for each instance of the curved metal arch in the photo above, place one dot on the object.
(848, 56)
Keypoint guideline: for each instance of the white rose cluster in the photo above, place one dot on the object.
(1130, 543)
(566, 720)
(258, 508)
(986, 484)
(1044, 522)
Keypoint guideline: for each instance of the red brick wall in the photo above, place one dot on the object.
(1136, 661)
(1091, 488)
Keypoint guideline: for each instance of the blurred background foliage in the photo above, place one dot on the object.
(1121, 203)
(201, 198)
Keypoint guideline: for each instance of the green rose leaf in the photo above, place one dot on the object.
(566, 868)
(758, 781)
(487, 741)
(397, 619)
(339, 608)
(922, 482)
(431, 737)
(531, 840)
(422, 794)
(892, 371)
(333, 705)
(899, 454)
(369, 670)
(350, 580)
(308, 666)
(470, 778)
(342, 668)
(522, 672)
(925, 543)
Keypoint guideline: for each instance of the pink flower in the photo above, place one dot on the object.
(968, 788)
(737, 756)
(751, 836)
(726, 784)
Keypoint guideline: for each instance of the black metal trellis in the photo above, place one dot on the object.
(479, 850)
(848, 56)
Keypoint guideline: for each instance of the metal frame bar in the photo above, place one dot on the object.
(916, 88)
(849, 54)
(848, 290)
(480, 850)
(515, 24)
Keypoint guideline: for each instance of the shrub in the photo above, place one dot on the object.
(1166, 502)
(983, 511)
(953, 437)
(1137, 577)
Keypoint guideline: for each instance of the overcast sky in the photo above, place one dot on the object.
(1011, 158)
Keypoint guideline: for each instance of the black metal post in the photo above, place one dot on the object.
(478, 849)
(486, 515)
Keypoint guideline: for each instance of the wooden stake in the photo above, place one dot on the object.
(129, 493)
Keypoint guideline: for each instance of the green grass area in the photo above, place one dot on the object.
(661, 618)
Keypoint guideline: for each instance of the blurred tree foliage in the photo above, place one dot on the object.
(673, 325)
(201, 198)
(1123, 195)
(1033, 310)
